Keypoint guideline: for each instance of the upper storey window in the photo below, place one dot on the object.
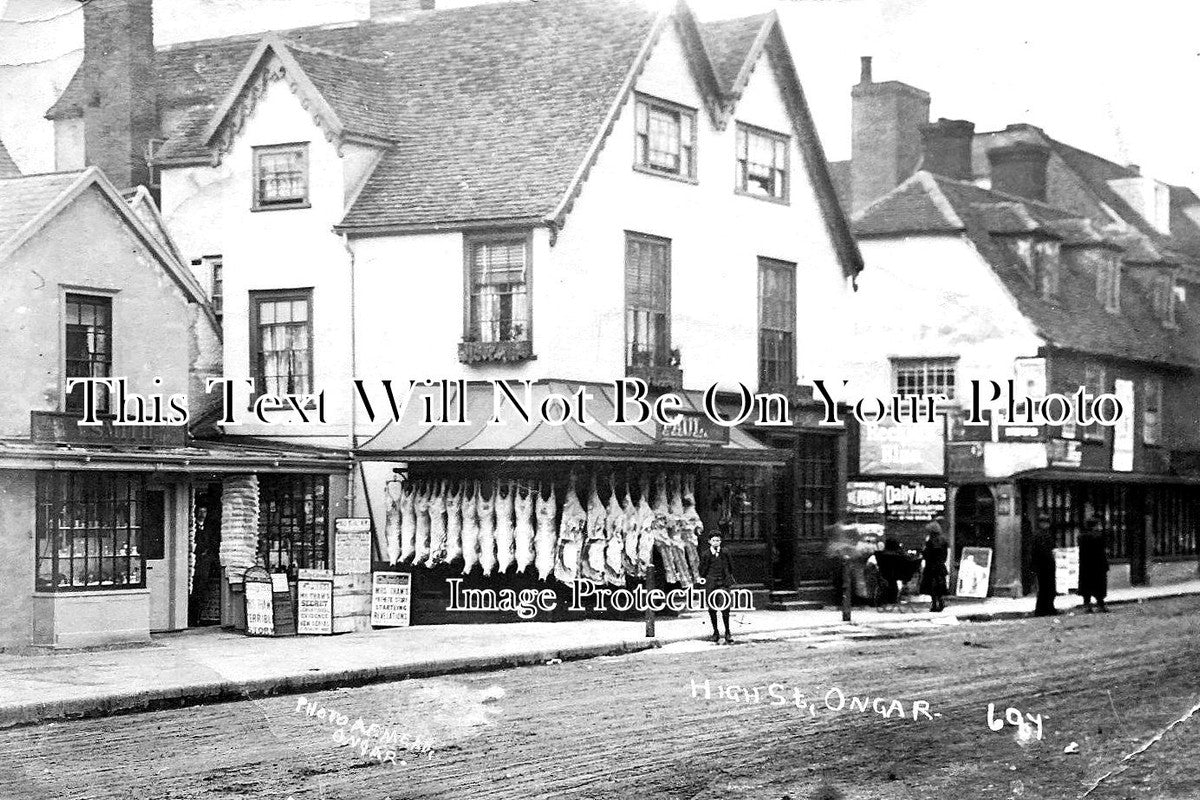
(281, 176)
(762, 161)
(665, 138)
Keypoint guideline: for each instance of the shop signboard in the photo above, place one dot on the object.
(53, 427)
(888, 448)
(864, 497)
(914, 500)
(1065, 453)
(260, 602)
(351, 545)
(1122, 458)
(391, 599)
(1066, 569)
(692, 428)
(974, 572)
(314, 591)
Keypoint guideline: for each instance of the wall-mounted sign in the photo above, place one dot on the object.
(260, 602)
(693, 427)
(1066, 569)
(1122, 458)
(864, 497)
(1065, 453)
(52, 427)
(915, 501)
(351, 545)
(964, 460)
(1030, 377)
(974, 572)
(314, 593)
(902, 449)
(391, 599)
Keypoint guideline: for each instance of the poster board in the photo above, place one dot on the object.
(260, 602)
(864, 497)
(283, 609)
(974, 572)
(314, 595)
(1123, 430)
(391, 599)
(1066, 569)
(351, 546)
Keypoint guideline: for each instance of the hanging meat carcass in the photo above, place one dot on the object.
(454, 501)
(645, 528)
(437, 525)
(595, 538)
(487, 533)
(393, 493)
(660, 529)
(571, 530)
(693, 527)
(545, 539)
(408, 520)
(676, 531)
(470, 527)
(506, 545)
(630, 559)
(614, 531)
(523, 535)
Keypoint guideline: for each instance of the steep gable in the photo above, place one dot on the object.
(8, 167)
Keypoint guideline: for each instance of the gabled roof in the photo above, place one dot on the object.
(29, 203)
(1075, 319)
(488, 114)
(8, 167)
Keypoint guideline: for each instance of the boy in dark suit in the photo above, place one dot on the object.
(716, 575)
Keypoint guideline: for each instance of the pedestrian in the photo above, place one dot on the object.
(1093, 566)
(935, 573)
(716, 573)
(1042, 561)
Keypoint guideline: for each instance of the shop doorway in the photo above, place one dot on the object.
(815, 477)
(204, 599)
(974, 518)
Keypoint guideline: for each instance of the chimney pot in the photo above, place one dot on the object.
(1020, 169)
(865, 76)
(1134, 168)
(947, 148)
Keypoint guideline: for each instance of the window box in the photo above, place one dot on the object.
(658, 377)
(499, 352)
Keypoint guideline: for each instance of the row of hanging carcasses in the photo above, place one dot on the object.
(505, 526)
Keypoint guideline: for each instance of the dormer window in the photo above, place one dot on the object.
(762, 163)
(1108, 283)
(1045, 262)
(665, 138)
(281, 176)
(1163, 298)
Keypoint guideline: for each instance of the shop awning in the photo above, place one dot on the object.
(594, 438)
(1048, 474)
(193, 457)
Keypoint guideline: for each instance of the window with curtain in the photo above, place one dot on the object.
(88, 346)
(776, 323)
(647, 301)
(762, 161)
(90, 529)
(281, 176)
(498, 290)
(281, 339)
(665, 137)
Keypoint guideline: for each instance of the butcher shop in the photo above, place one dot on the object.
(541, 504)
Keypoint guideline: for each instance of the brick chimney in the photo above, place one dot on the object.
(120, 112)
(885, 145)
(1020, 169)
(947, 145)
(391, 9)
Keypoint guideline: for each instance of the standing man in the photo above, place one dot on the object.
(716, 573)
(1042, 561)
(1093, 566)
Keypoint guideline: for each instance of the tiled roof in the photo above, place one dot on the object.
(8, 167)
(728, 41)
(1075, 319)
(23, 199)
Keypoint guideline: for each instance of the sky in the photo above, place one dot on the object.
(1116, 77)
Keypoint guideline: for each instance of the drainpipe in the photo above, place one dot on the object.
(353, 439)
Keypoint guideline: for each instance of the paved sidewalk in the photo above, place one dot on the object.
(211, 665)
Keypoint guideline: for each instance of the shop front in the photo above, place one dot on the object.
(501, 502)
(102, 541)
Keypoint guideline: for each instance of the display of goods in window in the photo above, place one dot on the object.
(391, 525)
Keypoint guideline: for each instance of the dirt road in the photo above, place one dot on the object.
(641, 726)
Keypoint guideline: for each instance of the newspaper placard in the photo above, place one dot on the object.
(391, 599)
(314, 593)
(1066, 569)
(351, 546)
(974, 572)
(260, 605)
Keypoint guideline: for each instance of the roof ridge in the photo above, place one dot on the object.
(44, 174)
(308, 48)
(1012, 198)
